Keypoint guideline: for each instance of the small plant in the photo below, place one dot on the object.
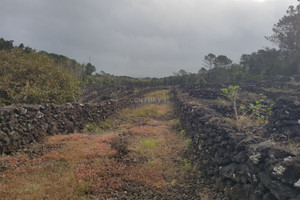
(186, 164)
(190, 146)
(232, 93)
(149, 143)
(258, 110)
(104, 125)
(182, 133)
(91, 127)
(158, 94)
(199, 175)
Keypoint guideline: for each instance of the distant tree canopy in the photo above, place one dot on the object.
(286, 35)
(34, 78)
(287, 30)
(89, 69)
(6, 45)
(30, 76)
(77, 69)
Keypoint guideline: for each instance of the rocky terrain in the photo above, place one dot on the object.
(22, 124)
(132, 146)
(256, 156)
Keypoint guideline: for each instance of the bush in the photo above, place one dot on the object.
(34, 78)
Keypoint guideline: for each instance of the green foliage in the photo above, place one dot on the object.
(186, 164)
(182, 133)
(259, 110)
(34, 78)
(6, 45)
(232, 93)
(91, 127)
(89, 69)
(76, 69)
(163, 94)
(150, 144)
(274, 90)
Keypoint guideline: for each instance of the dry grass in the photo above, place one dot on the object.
(53, 175)
(158, 94)
(81, 165)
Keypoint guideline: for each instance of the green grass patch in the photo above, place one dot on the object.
(91, 127)
(186, 164)
(94, 128)
(222, 101)
(158, 94)
(149, 144)
(104, 125)
(294, 83)
(274, 90)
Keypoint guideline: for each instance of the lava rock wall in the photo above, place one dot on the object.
(242, 163)
(21, 125)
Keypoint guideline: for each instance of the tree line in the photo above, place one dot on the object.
(262, 64)
(29, 76)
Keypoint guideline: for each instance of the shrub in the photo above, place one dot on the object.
(34, 78)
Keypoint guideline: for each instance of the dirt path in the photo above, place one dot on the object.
(136, 154)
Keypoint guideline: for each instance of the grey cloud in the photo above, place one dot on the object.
(141, 37)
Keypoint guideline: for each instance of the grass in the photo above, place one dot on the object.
(164, 94)
(82, 165)
(186, 164)
(146, 112)
(91, 127)
(274, 90)
(100, 127)
(222, 101)
(294, 83)
(198, 103)
(150, 144)
(54, 175)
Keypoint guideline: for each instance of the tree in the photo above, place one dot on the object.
(222, 61)
(21, 46)
(90, 69)
(287, 30)
(6, 45)
(287, 37)
(209, 62)
(263, 63)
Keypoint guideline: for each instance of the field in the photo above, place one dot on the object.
(208, 141)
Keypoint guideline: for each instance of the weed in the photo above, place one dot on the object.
(182, 133)
(136, 90)
(232, 93)
(164, 94)
(190, 146)
(228, 119)
(222, 101)
(259, 110)
(294, 83)
(199, 175)
(186, 164)
(198, 103)
(104, 125)
(175, 122)
(274, 90)
(149, 144)
(91, 127)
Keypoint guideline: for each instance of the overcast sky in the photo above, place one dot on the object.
(142, 37)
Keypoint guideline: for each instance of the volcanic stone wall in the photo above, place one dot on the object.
(243, 163)
(21, 125)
